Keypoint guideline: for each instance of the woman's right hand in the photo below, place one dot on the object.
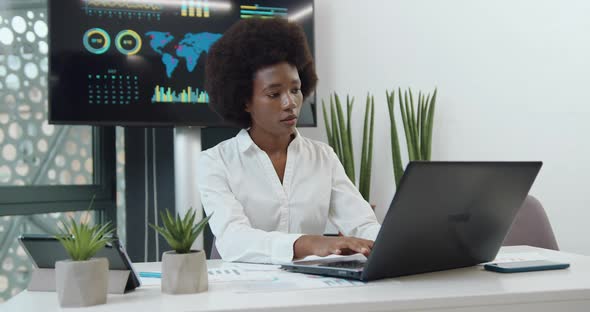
(330, 245)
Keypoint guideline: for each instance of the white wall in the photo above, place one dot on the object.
(513, 79)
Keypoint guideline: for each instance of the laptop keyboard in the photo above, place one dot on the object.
(352, 264)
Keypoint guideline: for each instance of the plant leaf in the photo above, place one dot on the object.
(398, 170)
(328, 126)
(180, 233)
(413, 127)
(349, 106)
(369, 160)
(406, 122)
(430, 124)
(346, 147)
(82, 241)
(336, 130)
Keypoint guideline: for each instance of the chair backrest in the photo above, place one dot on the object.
(531, 227)
(214, 253)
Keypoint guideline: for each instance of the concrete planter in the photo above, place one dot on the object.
(184, 273)
(82, 283)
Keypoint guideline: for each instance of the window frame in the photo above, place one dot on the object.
(38, 199)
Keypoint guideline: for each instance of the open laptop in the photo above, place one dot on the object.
(444, 215)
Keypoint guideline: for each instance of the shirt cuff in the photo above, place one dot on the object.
(282, 248)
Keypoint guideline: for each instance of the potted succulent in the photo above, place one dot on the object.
(184, 271)
(83, 281)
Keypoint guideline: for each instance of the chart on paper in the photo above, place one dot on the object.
(229, 274)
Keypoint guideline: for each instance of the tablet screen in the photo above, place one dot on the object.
(46, 250)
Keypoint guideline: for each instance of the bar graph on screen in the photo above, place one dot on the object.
(256, 11)
(123, 9)
(187, 95)
(195, 8)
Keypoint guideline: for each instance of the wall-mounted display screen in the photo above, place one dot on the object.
(143, 62)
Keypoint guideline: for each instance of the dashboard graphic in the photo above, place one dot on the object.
(112, 87)
(195, 8)
(96, 41)
(187, 95)
(131, 9)
(128, 42)
(142, 62)
(256, 11)
(189, 48)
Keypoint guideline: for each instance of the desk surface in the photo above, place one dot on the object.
(466, 289)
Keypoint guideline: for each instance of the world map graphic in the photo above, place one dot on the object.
(188, 49)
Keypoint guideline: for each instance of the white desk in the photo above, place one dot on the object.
(467, 289)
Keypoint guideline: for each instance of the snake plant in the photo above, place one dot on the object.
(338, 129)
(417, 124)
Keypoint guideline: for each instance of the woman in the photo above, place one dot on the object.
(270, 190)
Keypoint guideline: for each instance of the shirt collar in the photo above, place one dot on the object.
(245, 141)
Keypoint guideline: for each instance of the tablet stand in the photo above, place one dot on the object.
(44, 280)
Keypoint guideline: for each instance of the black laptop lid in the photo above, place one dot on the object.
(448, 215)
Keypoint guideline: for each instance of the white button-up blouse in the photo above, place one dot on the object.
(258, 219)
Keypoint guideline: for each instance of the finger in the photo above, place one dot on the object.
(359, 248)
(365, 249)
(368, 243)
(355, 245)
(336, 251)
(348, 251)
(359, 240)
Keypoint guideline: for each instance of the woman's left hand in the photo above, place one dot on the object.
(323, 246)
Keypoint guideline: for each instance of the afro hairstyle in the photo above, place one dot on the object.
(246, 47)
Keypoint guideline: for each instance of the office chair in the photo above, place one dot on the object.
(531, 227)
(214, 253)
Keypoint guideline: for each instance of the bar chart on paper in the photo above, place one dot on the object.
(231, 274)
(256, 278)
(251, 278)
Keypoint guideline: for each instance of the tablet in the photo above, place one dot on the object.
(45, 250)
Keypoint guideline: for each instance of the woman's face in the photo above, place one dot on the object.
(276, 99)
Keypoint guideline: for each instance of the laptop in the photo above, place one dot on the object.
(444, 215)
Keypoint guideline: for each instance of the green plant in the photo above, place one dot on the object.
(83, 241)
(417, 127)
(180, 233)
(338, 129)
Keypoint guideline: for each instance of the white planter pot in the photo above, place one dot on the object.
(184, 273)
(82, 283)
